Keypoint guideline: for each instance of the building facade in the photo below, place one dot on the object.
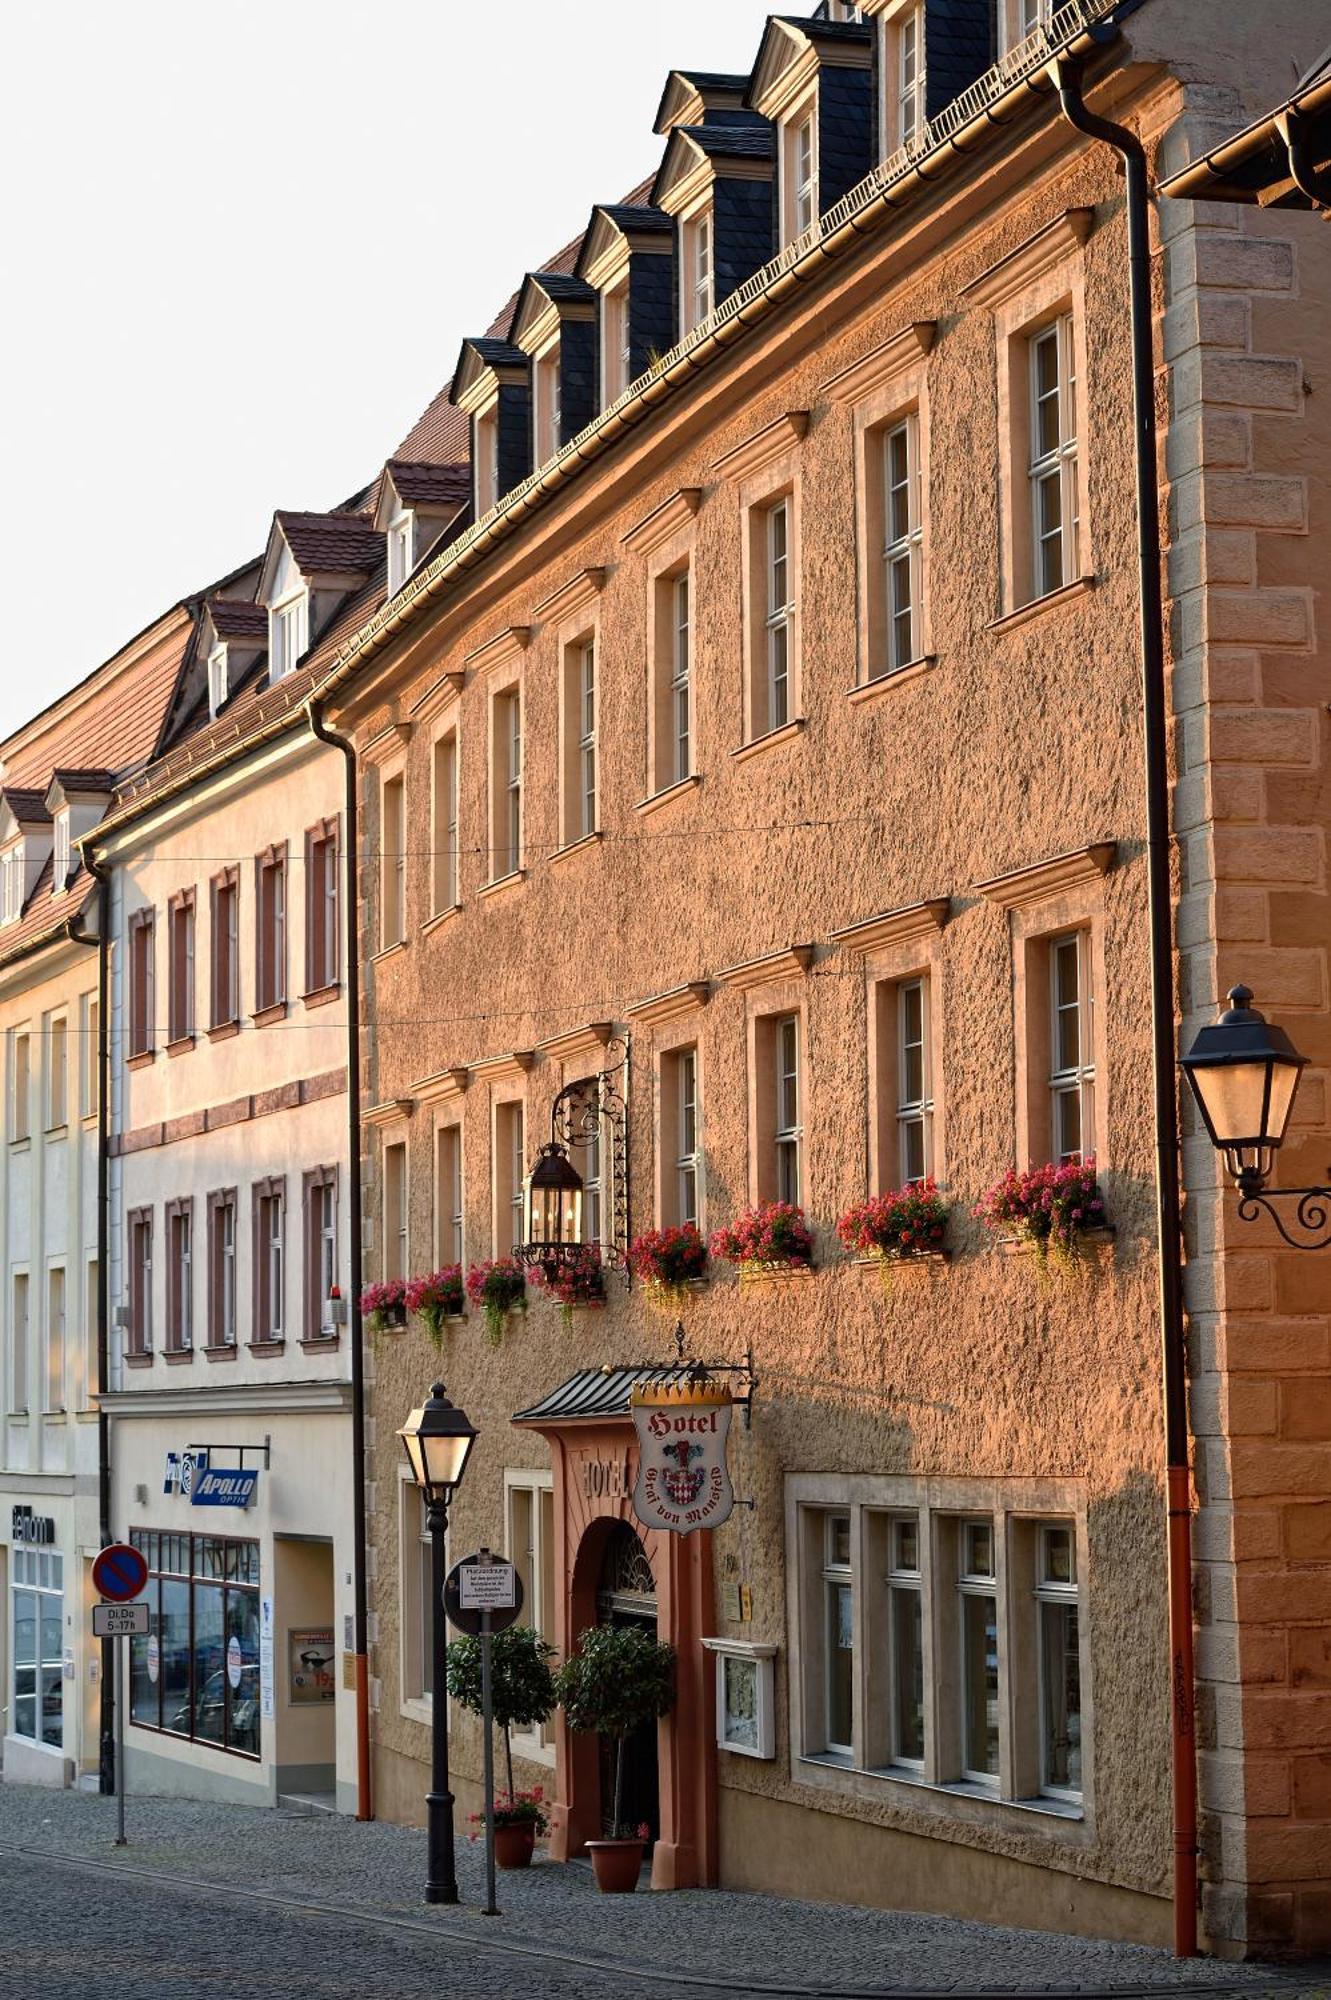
(767, 756)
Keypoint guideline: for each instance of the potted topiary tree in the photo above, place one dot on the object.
(522, 1693)
(619, 1678)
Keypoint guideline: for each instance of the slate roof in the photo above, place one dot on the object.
(640, 217)
(239, 618)
(597, 1392)
(422, 484)
(734, 142)
(331, 541)
(28, 806)
(563, 285)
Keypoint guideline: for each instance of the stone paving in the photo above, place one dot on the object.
(360, 1887)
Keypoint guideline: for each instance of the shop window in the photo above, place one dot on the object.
(320, 1191)
(1058, 1615)
(196, 1672)
(222, 1293)
(20, 1084)
(396, 1264)
(446, 822)
(530, 1542)
(838, 1608)
(180, 967)
(140, 1226)
(226, 948)
(448, 1194)
(37, 1712)
(905, 1624)
(57, 1072)
(321, 907)
(269, 1262)
(977, 1585)
(270, 957)
(180, 1276)
(141, 983)
(392, 862)
(510, 1171)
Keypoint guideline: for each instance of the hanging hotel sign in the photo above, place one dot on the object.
(683, 1481)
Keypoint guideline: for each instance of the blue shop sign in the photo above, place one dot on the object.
(232, 1486)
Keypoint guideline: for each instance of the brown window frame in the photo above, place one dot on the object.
(322, 954)
(270, 930)
(142, 931)
(180, 965)
(263, 1335)
(227, 882)
(317, 1332)
(219, 1201)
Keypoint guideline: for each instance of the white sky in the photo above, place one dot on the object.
(240, 243)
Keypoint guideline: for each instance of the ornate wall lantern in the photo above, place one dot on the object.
(590, 1113)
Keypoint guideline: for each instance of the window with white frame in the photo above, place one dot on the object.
(530, 1506)
(55, 1338)
(506, 784)
(905, 1638)
(509, 1171)
(92, 1370)
(580, 741)
(838, 1606)
(270, 1203)
(270, 979)
(680, 1075)
(225, 981)
(320, 1253)
(1058, 1616)
(140, 1224)
(788, 1138)
(180, 1277)
(485, 458)
(800, 172)
(698, 289)
(547, 404)
(396, 1263)
(446, 822)
(616, 346)
(19, 1334)
(978, 1618)
(60, 851)
(90, 1055)
(20, 1083)
(219, 679)
(222, 1268)
(57, 1072)
(672, 679)
(903, 543)
(909, 68)
(1053, 456)
(590, 1160)
(38, 1710)
(401, 540)
(914, 1092)
(13, 868)
(393, 862)
(180, 966)
(1071, 1048)
(448, 1207)
(288, 634)
(1033, 14)
(779, 614)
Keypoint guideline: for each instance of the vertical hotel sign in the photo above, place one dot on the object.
(683, 1481)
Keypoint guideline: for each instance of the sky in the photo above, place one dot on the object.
(240, 244)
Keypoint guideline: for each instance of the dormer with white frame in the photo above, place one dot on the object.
(492, 385)
(232, 639)
(927, 54)
(814, 81)
(418, 503)
(26, 835)
(554, 324)
(716, 181)
(627, 257)
(313, 563)
(76, 801)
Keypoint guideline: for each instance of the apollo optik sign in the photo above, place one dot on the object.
(230, 1488)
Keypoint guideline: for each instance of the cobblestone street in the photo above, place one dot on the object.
(207, 1899)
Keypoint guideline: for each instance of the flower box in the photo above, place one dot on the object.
(772, 1240)
(385, 1305)
(1053, 1210)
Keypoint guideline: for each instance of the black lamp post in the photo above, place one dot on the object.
(438, 1439)
(1244, 1075)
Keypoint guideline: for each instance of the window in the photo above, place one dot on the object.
(485, 452)
(914, 1092)
(547, 416)
(672, 700)
(196, 1671)
(226, 948)
(446, 822)
(60, 858)
(37, 1713)
(418, 1588)
(838, 1636)
(1053, 456)
(698, 288)
(92, 1379)
(141, 983)
(903, 540)
(506, 782)
(401, 540)
(395, 1210)
(510, 1172)
(219, 679)
(57, 1072)
(1035, 14)
(979, 1651)
(393, 862)
(588, 1128)
(20, 1083)
(799, 174)
(13, 869)
(90, 1055)
(140, 1223)
(448, 1193)
(18, 1367)
(180, 967)
(222, 1268)
(288, 635)
(530, 1542)
(905, 1638)
(180, 1276)
(580, 763)
(1071, 1048)
(788, 1137)
(911, 111)
(320, 1252)
(1057, 1614)
(680, 1134)
(269, 1261)
(779, 614)
(270, 915)
(321, 907)
(616, 345)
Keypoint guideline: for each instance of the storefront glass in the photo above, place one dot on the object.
(37, 1709)
(196, 1673)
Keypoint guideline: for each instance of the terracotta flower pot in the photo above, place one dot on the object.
(616, 1865)
(515, 1843)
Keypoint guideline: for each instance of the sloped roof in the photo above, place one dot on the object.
(422, 484)
(598, 1392)
(331, 541)
(28, 806)
(88, 780)
(239, 618)
(44, 915)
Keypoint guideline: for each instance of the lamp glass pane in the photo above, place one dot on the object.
(1284, 1083)
(412, 1446)
(1234, 1095)
(445, 1458)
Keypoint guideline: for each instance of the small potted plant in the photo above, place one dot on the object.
(434, 1299)
(619, 1678)
(385, 1305)
(519, 1818)
(579, 1283)
(1052, 1207)
(905, 1222)
(522, 1694)
(773, 1237)
(667, 1261)
(498, 1287)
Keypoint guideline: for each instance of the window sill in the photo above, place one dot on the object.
(441, 918)
(265, 1346)
(1080, 586)
(221, 1351)
(60, 1131)
(321, 996)
(222, 1031)
(509, 881)
(142, 1059)
(785, 734)
(23, 1145)
(320, 1343)
(137, 1360)
(881, 684)
(970, 1790)
(680, 789)
(1090, 1239)
(774, 1274)
(578, 846)
(388, 951)
(181, 1045)
(897, 1259)
(264, 1017)
(174, 1357)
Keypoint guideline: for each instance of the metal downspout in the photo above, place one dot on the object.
(364, 1796)
(102, 939)
(1066, 78)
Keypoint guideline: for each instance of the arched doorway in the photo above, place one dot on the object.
(626, 1596)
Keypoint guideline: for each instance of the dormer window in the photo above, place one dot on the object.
(843, 10)
(401, 551)
(219, 684)
(547, 412)
(799, 173)
(616, 348)
(485, 444)
(698, 289)
(12, 868)
(288, 634)
(903, 104)
(61, 852)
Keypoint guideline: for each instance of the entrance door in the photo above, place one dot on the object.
(626, 1595)
(305, 1670)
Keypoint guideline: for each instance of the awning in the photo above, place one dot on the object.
(596, 1393)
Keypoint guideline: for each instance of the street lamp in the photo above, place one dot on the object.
(438, 1439)
(1244, 1075)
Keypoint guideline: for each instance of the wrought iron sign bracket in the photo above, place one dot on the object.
(266, 1449)
(743, 1370)
(1311, 1206)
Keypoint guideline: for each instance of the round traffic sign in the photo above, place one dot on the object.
(119, 1573)
(469, 1620)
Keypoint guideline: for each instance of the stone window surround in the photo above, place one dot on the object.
(392, 771)
(938, 1500)
(263, 1340)
(394, 1133)
(575, 634)
(669, 557)
(776, 480)
(508, 686)
(138, 1293)
(886, 969)
(763, 1006)
(142, 940)
(224, 1007)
